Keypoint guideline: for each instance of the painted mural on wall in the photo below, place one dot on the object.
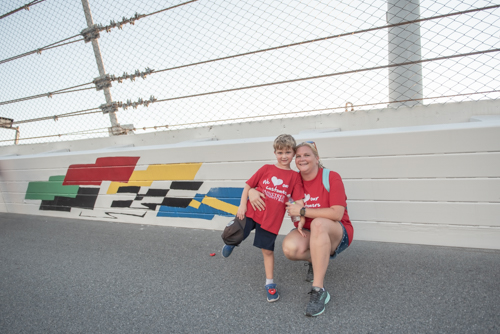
(117, 186)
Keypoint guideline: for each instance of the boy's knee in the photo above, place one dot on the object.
(267, 252)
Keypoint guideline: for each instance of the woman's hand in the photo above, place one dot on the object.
(301, 225)
(293, 209)
(256, 199)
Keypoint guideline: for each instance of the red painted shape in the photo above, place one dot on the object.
(117, 169)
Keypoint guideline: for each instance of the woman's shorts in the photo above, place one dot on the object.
(344, 243)
(263, 239)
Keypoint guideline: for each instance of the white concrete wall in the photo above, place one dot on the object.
(426, 175)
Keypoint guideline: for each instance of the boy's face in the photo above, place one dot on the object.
(284, 157)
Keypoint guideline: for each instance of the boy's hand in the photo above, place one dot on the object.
(256, 199)
(241, 212)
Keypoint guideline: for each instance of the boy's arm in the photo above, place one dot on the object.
(242, 209)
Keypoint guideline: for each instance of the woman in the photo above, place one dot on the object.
(327, 230)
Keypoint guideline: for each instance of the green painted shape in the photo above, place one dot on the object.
(47, 190)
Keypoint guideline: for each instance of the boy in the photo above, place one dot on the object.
(277, 182)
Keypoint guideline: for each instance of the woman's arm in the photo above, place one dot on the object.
(335, 212)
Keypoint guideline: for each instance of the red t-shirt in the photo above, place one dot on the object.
(276, 184)
(316, 196)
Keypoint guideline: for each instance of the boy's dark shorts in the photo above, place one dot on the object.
(263, 239)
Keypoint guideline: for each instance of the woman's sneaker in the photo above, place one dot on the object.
(227, 250)
(319, 298)
(310, 273)
(272, 293)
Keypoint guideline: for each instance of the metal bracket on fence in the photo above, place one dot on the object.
(91, 33)
(121, 130)
(132, 77)
(6, 122)
(103, 81)
(139, 102)
(113, 24)
(110, 107)
(347, 105)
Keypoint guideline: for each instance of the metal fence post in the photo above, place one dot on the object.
(115, 126)
(405, 82)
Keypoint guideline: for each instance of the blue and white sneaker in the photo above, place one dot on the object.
(227, 250)
(272, 293)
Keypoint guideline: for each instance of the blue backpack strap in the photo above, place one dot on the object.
(326, 179)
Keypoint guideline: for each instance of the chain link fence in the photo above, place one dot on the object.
(75, 69)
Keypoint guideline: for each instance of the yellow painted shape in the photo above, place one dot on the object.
(220, 205)
(195, 204)
(167, 172)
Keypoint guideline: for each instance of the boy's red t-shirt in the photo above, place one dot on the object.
(276, 184)
(316, 196)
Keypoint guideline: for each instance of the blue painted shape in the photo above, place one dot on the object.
(225, 194)
(203, 212)
(228, 195)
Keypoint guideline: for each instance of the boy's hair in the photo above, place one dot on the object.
(283, 142)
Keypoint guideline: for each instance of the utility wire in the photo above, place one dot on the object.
(27, 7)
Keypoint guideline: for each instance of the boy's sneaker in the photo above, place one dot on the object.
(319, 298)
(272, 293)
(227, 250)
(310, 274)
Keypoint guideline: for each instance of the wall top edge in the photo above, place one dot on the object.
(309, 134)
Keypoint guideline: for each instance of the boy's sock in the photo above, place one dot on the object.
(269, 281)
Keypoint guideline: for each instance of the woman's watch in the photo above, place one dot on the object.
(303, 212)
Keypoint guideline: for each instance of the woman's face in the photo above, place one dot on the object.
(305, 159)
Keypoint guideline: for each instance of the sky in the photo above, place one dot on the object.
(205, 30)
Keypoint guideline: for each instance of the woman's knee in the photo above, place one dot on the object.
(320, 225)
(324, 225)
(292, 249)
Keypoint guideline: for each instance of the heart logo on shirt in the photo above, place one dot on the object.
(276, 181)
(307, 197)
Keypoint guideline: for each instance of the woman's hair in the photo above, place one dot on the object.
(283, 142)
(312, 146)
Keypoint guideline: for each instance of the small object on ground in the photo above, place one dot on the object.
(212, 254)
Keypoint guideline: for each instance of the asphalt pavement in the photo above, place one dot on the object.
(80, 276)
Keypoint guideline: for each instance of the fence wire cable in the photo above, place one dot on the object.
(27, 7)
(256, 51)
(43, 48)
(330, 37)
(99, 28)
(331, 75)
